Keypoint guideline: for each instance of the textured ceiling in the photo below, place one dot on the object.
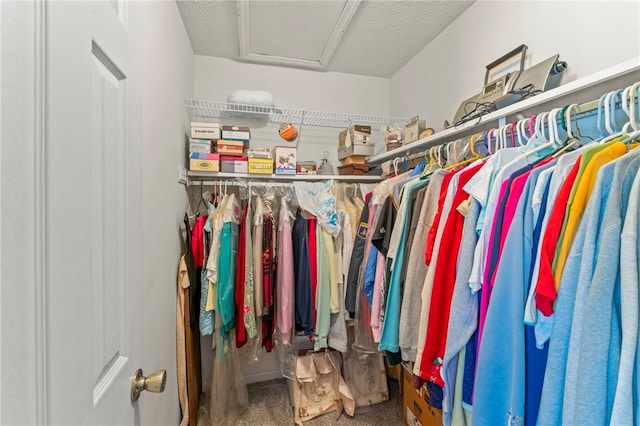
(381, 37)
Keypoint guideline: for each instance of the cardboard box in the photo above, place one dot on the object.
(200, 145)
(353, 169)
(205, 130)
(416, 409)
(260, 166)
(236, 133)
(203, 162)
(285, 159)
(413, 129)
(354, 159)
(307, 168)
(234, 164)
(356, 134)
(364, 150)
(264, 153)
(226, 147)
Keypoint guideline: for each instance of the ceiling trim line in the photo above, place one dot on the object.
(350, 9)
(242, 10)
(283, 60)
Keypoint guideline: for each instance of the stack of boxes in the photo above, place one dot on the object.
(215, 148)
(232, 149)
(354, 146)
(202, 155)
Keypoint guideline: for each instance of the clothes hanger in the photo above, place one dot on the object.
(475, 155)
(488, 141)
(395, 165)
(552, 123)
(610, 124)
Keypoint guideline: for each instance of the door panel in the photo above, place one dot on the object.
(93, 200)
(107, 242)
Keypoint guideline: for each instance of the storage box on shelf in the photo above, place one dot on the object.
(355, 140)
(200, 145)
(413, 129)
(204, 162)
(261, 166)
(306, 168)
(285, 160)
(237, 133)
(229, 147)
(233, 164)
(205, 130)
(353, 169)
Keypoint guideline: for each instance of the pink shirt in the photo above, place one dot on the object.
(285, 278)
(376, 326)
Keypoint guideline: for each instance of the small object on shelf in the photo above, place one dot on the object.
(285, 158)
(353, 169)
(393, 134)
(288, 132)
(354, 159)
(236, 133)
(261, 166)
(200, 145)
(204, 162)
(426, 133)
(306, 168)
(393, 145)
(228, 147)
(325, 167)
(413, 129)
(205, 130)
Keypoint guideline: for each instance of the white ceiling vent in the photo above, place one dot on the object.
(300, 34)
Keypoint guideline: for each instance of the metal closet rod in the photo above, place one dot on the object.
(223, 182)
(583, 110)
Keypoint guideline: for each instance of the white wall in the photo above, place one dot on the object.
(167, 82)
(589, 35)
(215, 78)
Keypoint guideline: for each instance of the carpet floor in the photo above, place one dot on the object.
(269, 405)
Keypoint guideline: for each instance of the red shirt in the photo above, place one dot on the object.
(241, 332)
(546, 287)
(443, 282)
(197, 245)
(431, 238)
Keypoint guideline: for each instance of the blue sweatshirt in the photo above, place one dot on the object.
(600, 343)
(583, 250)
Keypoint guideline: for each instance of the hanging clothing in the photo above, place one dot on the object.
(417, 271)
(304, 307)
(241, 332)
(285, 274)
(356, 260)
(249, 309)
(227, 264)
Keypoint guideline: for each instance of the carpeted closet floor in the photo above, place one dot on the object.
(269, 405)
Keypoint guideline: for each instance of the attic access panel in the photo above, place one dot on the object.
(303, 34)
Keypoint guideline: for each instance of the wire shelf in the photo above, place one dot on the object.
(200, 110)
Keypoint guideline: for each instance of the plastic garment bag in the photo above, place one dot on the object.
(228, 388)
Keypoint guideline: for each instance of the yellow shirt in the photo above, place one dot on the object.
(583, 189)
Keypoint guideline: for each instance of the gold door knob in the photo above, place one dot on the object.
(154, 383)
